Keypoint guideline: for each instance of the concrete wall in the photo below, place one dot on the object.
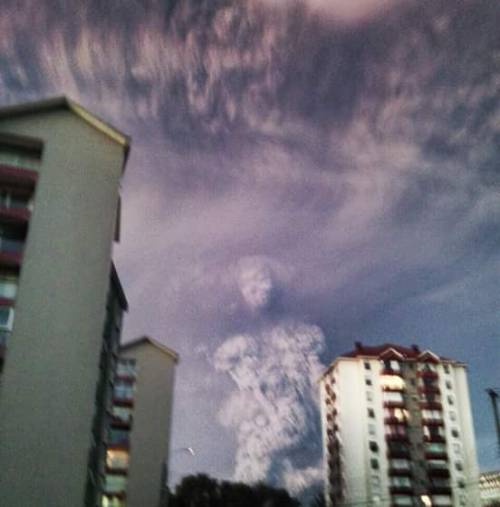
(150, 435)
(49, 380)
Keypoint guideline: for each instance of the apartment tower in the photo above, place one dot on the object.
(136, 460)
(397, 430)
(61, 301)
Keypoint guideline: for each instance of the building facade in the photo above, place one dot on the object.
(138, 442)
(489, 486)
(397, 430)
(61, 302)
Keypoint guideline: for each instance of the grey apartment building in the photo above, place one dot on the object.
(138, 444)
(61, 301)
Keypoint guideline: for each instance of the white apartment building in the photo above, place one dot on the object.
(397, 430)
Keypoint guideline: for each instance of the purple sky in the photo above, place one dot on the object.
(301, 177)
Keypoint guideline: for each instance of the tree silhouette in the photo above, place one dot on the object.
(203, 491)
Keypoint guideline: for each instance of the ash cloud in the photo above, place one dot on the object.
(289, 167)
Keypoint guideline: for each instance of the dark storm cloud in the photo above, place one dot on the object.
(315, 165)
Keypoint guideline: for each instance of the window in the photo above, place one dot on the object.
(124, 414)
(372, 429)
(455, 433)
(373, 446)
(456, 448)
(402, 500)
(437, 464)
(399, 464)
(450, 400)
(448, 384)
(123, 391)
(374, 463)
(118, 437)
(402, 481)
(453, 416)
(392, 396)
(6, 318)
(117, 460)
(367, 366)
(368, 381)
(446, 368)
(126, 367)
(8, 287)
(458, 466)
(115, 483)
(369, 396)
(371, 413)
(435, 447)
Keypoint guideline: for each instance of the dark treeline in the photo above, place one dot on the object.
(204, 491)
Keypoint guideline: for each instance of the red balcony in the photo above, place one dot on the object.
(400, 471)
(438, 472)
(395, 437)
(116, 471)
(435, 438)
(433, 422)
(401, 490)
(390, 371)
(440, 490)
(436, 455)
(10, 259)
(17, 176)
(122, 424)
(394, 404)
(395, 420)
(123, 402)
(398, 454)
(427, 374)
(14, 215)
(429, 389)
(431, 405)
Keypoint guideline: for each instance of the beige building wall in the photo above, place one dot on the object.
(150, 435)
(51, 369)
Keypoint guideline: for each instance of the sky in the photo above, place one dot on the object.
(303, 174)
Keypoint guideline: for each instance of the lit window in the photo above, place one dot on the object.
(117, 460)
(392, 382)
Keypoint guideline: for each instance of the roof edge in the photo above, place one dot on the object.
(63, 102)
(147, 339)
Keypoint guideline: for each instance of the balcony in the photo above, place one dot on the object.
(432, 421)
(390, 371)
(395, 420)
(431, 405)
(440, 490)
(15, 176)
(427, 374)
(423, 389)
(401, 490)
(14, 215)
(399, 467)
